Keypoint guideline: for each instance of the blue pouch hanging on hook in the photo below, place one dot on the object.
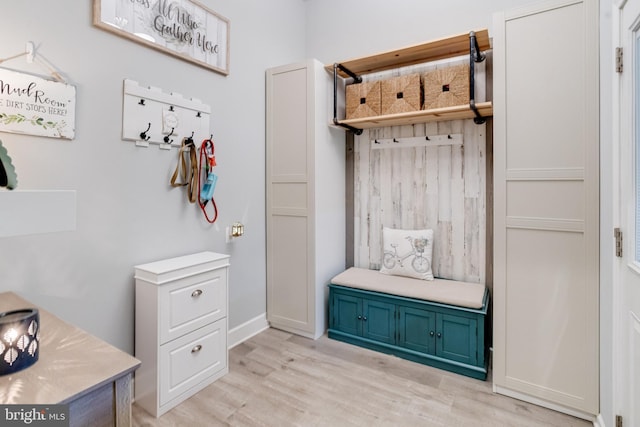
(209, 186)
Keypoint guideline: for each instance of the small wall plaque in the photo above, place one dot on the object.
(35, 106)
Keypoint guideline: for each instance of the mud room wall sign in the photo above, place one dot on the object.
(183, 28)
(35, 106)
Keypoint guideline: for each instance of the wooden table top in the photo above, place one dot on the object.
(71, 362)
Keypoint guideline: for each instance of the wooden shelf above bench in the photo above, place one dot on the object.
(433, 50)
(423, 116)
(472, 44)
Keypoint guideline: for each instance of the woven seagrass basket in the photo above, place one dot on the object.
(362, 100)
(401, 94)
(446, 87)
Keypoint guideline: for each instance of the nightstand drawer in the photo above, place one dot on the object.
(192, 303)
(191, 359)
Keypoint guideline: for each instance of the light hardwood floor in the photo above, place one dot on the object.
(279, 379)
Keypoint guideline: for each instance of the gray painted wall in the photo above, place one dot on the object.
(343, 29)
(127, 213)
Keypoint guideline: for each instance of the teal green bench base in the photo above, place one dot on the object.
(435, 334)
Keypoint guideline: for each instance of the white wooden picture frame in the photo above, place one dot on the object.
(185, 29)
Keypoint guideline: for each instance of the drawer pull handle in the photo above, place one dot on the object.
(196, 349)
(196, 293)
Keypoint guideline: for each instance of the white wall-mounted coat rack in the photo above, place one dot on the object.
(417, 141)
(150, 115)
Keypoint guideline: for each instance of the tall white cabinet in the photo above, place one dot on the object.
(546, 212)
(305, 168)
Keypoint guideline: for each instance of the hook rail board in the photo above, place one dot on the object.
(150, 115)
(417, 141)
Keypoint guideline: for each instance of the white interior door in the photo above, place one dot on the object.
(627, 323)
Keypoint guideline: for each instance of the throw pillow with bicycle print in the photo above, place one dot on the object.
(407, 253)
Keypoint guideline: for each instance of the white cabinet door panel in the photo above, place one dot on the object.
(546, 211)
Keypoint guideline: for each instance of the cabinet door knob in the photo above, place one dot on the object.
(196, 349)
(431, 333)
(359, 317)
(364, 318)
(439, 335)
(196, 293)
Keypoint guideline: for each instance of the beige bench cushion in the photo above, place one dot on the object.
(462, 294)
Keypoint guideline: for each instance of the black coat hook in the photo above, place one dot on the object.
(427, 138)
(190, 139)
(170, 107)
(166, 138)
(449, 137)
(395, 140)
(141, 102)
(143, 135)
(198, 114)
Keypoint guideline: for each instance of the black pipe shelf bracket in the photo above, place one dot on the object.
(475, 55)
(356, 79)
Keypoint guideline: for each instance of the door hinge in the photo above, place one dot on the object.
(618, 420)
(617, 233)
(618, 60)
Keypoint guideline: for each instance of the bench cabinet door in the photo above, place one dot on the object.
(378, 321)
(417, 329)
(347, 314)
(456, 338)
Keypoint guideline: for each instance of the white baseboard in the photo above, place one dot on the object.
(248, 329)
(599, 422)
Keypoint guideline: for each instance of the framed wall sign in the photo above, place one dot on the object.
(34, 106)
(185, 29)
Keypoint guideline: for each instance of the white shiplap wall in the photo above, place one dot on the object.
(439, 187)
